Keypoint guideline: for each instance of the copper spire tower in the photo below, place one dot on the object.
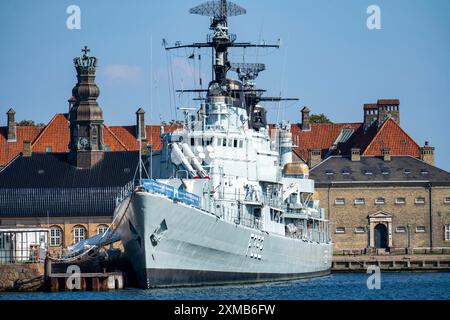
(86, 116)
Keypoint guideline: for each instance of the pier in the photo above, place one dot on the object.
(394, 263)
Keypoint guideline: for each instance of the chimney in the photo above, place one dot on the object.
(388, 108)
(370, 115)
(427, 154)
(141, 132)
(11, 125)
(314, 157)
(27, 150)
(356, 154)
(306, 126)
(385, 153)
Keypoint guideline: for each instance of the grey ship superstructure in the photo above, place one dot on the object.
(226, 203)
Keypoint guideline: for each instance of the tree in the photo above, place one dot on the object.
(29, 123)
(319, 118)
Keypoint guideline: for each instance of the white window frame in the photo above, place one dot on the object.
(380, 200)
(360, 201)
(447, 232)
(340, 230)
(447, 200)
(400, 200)
(78, 235)
(421, 229)
(55, 240)
(339, 201)
(400, 229)
(360, 230)
(101, 227)
(419, 200)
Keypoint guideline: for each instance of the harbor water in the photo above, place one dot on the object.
(338, 286)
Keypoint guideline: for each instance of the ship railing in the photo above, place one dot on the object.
(171, 192)
(124, 192)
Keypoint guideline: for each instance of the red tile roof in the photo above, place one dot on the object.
(56, 134)
(10, 150)
(391, 136)
(321, 136)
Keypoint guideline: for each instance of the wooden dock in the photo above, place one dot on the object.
(84, 281)
(360, 263)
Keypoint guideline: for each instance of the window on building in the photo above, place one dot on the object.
(55, 236)
(447, 200)
(329, 173)
(345, 172)
(385, 171)
(230, 142)
(368, 173)
(424, 172)
(400, 229)
(339, 201)
(102, 229)
(447, 232)
(79, 234)
(340, 230)
(192, 141)
(224, 142)
(360, 230)
(360, 201)
(48, 149)
(380, 200)
(241, 144)
(420, 229)
(420, 200)
(107, 148)
(407, 171)
(400, 200)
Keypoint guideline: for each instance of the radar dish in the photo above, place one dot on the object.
(218, 9)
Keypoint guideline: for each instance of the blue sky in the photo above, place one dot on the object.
(329, 58)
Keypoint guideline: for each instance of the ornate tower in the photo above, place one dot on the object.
(86, 116)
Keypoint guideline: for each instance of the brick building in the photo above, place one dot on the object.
(379, 130)
(78, 151)
(392, 203)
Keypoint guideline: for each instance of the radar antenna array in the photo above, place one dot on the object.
(218, 9)
(248, 71)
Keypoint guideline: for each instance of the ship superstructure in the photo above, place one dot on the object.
(226, 203)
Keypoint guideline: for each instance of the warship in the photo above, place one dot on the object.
(225, 202)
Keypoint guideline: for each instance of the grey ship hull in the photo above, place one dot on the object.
(172, 244)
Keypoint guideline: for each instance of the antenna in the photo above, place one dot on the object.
(219, 10)
(248, 72)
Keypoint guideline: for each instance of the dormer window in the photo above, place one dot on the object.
(407, 171)
(345, 172)
(329, 173)
(423, 172)
(368, 173)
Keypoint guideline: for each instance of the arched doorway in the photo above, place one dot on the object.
(381, 236)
